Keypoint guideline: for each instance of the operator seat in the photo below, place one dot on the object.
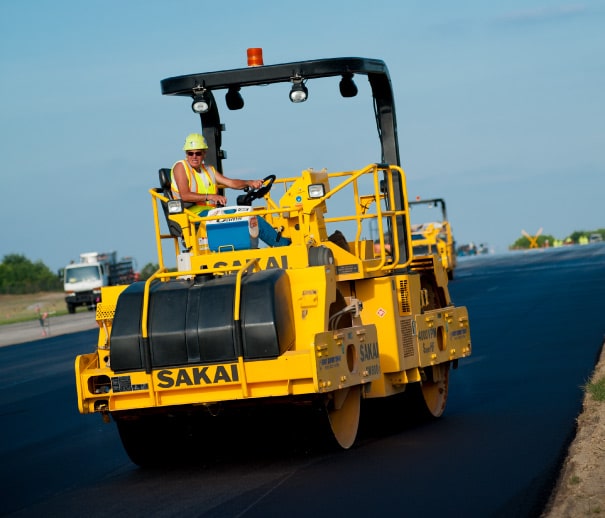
(173, 227)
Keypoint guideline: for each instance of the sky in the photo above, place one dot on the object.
(500, 111)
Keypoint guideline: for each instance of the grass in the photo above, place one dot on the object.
(22, 308)
(597, 389)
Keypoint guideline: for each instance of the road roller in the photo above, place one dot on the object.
(435, 236)
(330, 314)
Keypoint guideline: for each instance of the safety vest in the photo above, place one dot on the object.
(202, 182)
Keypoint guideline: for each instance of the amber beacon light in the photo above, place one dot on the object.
(255, 57)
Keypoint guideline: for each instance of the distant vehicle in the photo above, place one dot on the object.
(596, 237)
(435, 237)
(472, 249)
(83, 281)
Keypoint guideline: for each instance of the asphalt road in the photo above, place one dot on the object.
(537, 329)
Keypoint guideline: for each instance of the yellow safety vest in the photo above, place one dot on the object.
(202, 182)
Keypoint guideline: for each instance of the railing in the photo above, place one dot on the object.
(375, 207)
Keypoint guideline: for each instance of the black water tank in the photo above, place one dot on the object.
(267, 320)
(191, 324)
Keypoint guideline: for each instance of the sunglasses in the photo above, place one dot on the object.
(195, 153)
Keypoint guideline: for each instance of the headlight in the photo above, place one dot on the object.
(201, 103)
(316, 190)
(299, 92)
(175, 206)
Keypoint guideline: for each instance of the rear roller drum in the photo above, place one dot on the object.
(431, 395)
(343, 409)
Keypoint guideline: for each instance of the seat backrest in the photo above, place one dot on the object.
(173, 227)
(165, 181)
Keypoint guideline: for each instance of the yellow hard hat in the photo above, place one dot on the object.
(195, 141)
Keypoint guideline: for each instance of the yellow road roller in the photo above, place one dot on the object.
(316, 319)
(435, 236)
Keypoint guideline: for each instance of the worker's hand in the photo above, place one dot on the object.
(218, 199)
(255, 184)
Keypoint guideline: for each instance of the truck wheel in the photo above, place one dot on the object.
(71, 308)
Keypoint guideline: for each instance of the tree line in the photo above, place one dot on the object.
(577, 237)
(19, 275)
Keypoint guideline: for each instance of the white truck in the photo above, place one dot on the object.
(83, 280)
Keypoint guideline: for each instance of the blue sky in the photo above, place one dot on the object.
(500, 110)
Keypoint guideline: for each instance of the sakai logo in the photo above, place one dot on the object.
(209, 375)
(368, 351)
(265, 264)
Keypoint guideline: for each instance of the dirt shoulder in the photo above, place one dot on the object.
(580, 490)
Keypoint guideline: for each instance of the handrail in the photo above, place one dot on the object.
(307, 208)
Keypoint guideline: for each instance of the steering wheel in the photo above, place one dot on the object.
(255, 194)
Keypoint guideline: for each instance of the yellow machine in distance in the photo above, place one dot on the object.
(435, 237)
(533, 240)
(319, 323)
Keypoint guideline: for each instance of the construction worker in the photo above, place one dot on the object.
(194, 181)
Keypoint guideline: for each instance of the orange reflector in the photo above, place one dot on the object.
(255, 57)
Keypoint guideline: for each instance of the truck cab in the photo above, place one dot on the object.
(82, 282)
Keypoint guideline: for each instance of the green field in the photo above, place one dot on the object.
(20, 308)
